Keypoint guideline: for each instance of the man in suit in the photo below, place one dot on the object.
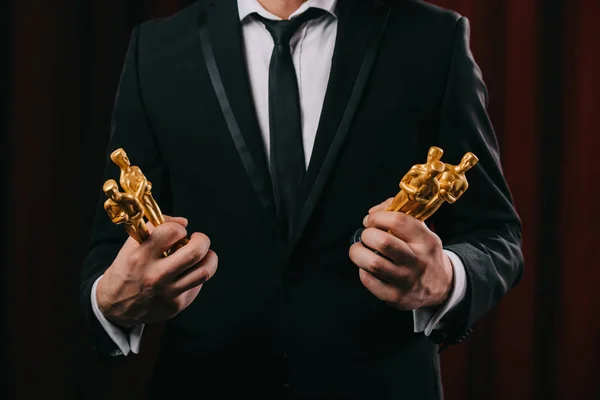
(275, 127)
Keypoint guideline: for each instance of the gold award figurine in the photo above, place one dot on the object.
(134, 182)
(123, 208)
(136, 203)
(427, 186)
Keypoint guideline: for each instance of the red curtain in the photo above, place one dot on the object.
(541, 61)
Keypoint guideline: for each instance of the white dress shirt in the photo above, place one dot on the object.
(312, 51)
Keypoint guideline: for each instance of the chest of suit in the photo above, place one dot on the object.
(390, 130)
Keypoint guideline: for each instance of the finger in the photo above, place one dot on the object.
(197, 275)
(163, 238)
(389, 245)
(184, 258)
(403, 226)
(180, 220)
(378, 266)
(186, 298)
(382, 290)
(382, 206)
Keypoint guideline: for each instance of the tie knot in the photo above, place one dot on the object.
(282, 31)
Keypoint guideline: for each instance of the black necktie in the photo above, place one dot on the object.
(287, 150)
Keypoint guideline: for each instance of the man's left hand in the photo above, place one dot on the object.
(416, 272)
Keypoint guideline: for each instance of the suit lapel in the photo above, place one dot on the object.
(221, 38)
(360, 27)
(221, 35)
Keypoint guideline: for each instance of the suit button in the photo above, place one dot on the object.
(286, 385)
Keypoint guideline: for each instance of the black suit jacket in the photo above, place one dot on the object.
(293, 317)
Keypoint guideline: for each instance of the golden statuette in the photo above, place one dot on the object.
(130, 207)
(123, 208)
(427, 186)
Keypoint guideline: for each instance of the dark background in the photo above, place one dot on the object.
(541, 61)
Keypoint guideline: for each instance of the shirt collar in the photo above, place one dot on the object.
(247, 7)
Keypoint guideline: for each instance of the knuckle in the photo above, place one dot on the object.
(433, 243)
(375, 266)
(400, 219)
(386, 243)
(201, 243)
(194, 256)
(180, 231)
(203, 275)
(202, 239)
(171, 230)
(151, 281)
(405, 277)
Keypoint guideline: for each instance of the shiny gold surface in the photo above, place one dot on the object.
(136, 203)
(123, 208)
(427, 186)
(134, 182)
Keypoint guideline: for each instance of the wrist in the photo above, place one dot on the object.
(448, 279)
(101, 298)
(106, 305)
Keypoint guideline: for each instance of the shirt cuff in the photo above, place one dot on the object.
(427, 319)
(125, 342)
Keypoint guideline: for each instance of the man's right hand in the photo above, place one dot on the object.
(142, 286)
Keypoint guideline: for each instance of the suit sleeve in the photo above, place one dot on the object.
(131, 130)
(482, 228)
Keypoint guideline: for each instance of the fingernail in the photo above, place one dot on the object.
(365, 220)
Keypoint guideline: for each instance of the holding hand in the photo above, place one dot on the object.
(412, 270)
(142, 286)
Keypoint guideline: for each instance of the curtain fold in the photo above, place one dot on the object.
(541, 62)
